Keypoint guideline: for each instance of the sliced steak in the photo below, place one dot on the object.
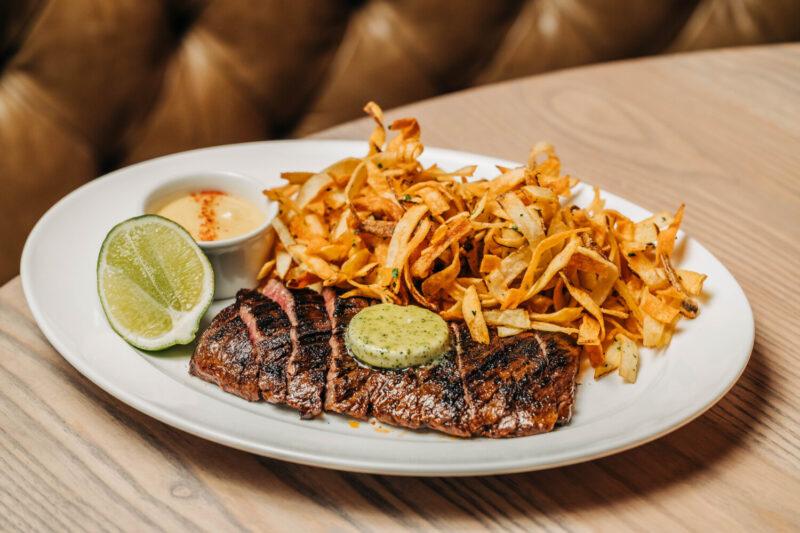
(411, 397)
(442, 404)
(346, 391)
(389, 395)
(310, 334)
(270, 332)
(507, 385)
(563, 361)
(394, 396)
(289, 348)
(233, 351)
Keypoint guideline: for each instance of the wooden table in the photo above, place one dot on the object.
(718, 130)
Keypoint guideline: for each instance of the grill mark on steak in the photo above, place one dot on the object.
(245, 349)
(388, 395)
(411, 397)
(563, 361)
(506, 383)
(308, 363)
(478, 368)
(394, 396)
(533, 408)
(346, 389)
(225, 356)
(442, 404)
(269, 330)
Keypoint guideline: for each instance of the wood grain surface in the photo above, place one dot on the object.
(719, 131)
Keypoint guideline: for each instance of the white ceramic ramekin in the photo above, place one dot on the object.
(235, 261)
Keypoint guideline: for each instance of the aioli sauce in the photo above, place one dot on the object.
(213, 215)
(394, 336)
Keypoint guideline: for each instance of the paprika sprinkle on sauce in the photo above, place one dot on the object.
(213, 215)
(208, 213)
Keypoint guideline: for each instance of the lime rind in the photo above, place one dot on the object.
(150, 281)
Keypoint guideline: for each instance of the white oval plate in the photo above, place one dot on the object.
(702, 363)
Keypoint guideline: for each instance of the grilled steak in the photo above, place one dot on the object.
(269, 330)
(310, 334)
(354, 389)
(563, 363)
(290, 348)
(346, 390)
(442, 404)
(245, 349)
(506, 384)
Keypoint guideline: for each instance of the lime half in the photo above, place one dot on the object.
(154, 282)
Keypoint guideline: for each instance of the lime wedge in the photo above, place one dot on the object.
(154, 282)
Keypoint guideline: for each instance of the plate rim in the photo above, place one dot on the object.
(320, 459)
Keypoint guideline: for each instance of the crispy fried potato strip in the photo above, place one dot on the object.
(502, 254)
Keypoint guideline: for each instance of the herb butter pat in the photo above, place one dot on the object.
(394, 336)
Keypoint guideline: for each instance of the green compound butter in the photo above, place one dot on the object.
(395, 336)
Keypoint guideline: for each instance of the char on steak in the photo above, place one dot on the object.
(287, 346)
(310, 335)
(245, 349)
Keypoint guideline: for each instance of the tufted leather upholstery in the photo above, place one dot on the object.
(90, 85)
